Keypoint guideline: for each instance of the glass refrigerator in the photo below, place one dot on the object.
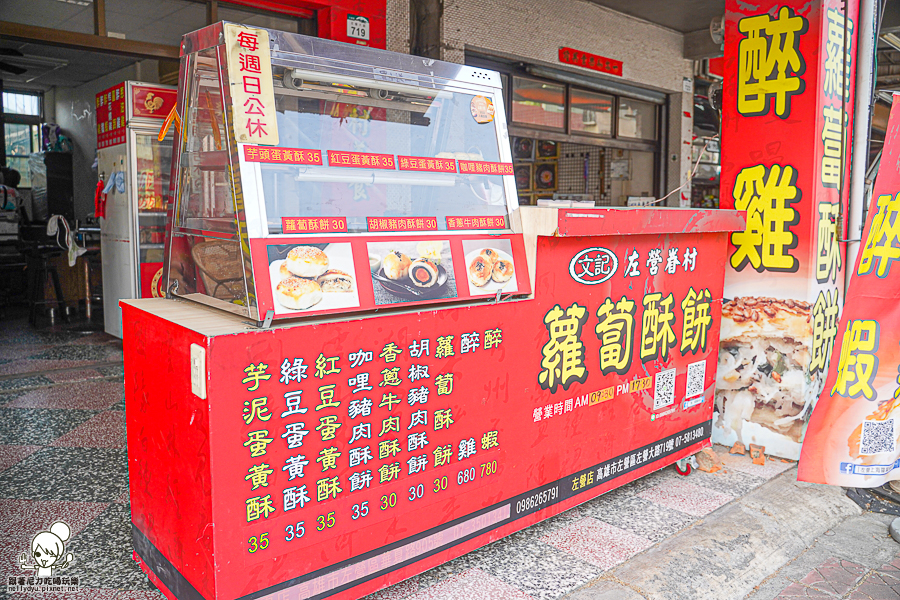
(134, 169)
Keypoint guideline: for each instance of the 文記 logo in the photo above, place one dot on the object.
(46, 557)
(593, 265)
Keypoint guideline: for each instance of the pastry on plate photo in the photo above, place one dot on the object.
(502, 271)
(423, 273)
(312, 275)
(412, 270)
(306, 261)
(335, 280)
(298, 293)
(480, 270)
(490, 269)
(396, 265)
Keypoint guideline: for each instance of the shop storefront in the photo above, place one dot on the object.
(374, 351)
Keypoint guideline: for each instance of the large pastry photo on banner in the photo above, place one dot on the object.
(489, 267)
(764, 392)
(404, 271)
(312, 277)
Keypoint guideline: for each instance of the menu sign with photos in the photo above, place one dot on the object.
(250, 77)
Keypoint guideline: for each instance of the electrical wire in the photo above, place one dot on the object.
(691, 175)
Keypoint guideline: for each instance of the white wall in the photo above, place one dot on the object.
(651, 54)
(73, 110)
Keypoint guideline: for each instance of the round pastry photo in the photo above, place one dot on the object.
(490, 268)
(411, 270)
(312, 277)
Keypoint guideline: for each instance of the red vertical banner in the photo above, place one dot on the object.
(110, 104)
(787, 117)
(852, 436)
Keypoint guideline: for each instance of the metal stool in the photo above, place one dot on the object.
(39, 269)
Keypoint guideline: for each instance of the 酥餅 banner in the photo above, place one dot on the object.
(786, 125)
(852, 437)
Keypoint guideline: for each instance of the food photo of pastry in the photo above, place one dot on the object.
(312, 277)
(764, 392)
(490, 268)
(405, 271)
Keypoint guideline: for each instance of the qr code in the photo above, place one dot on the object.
(696, 377)
(877, 437)
(663, 389)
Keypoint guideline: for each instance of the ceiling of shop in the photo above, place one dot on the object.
(681, 15)
(157, 21)
(49, 66)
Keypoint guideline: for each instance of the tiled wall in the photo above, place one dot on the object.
(398, 26)
(651, 55)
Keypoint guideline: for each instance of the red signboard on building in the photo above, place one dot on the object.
(595, 62)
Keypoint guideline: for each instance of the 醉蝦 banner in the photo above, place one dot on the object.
(852, 436)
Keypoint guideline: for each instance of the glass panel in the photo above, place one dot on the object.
(590, 112)
(395, 120)
(154, 161)
(637, 119)
(538, 103)
(19, 139)
(20, 165)
(205, 199)
(21, 104)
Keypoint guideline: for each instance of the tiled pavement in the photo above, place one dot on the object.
(62, 457)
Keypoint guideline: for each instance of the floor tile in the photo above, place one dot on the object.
(745, 465)
(10, 352)
(877, 586)
(23, 426)
(540, 570)
(21, 520)
(104, 551)
(87, 374)
(10, 455)
(104, 430)
(835, 576)
(85, 395)
(78, 352)
(891, 567)
(398, 591)
(25, 382)
(597, 542)
(639, 516)
(117, 371)
(140, 595)
(46, 366)
(76, 474)
(81, 594)
(795, 590)
(473, 584)
(686, 497)
(728, 481)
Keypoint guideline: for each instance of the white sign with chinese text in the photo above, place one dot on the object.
(250, 77)
(357, 27)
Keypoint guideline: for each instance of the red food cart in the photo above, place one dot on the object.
(409, 365)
